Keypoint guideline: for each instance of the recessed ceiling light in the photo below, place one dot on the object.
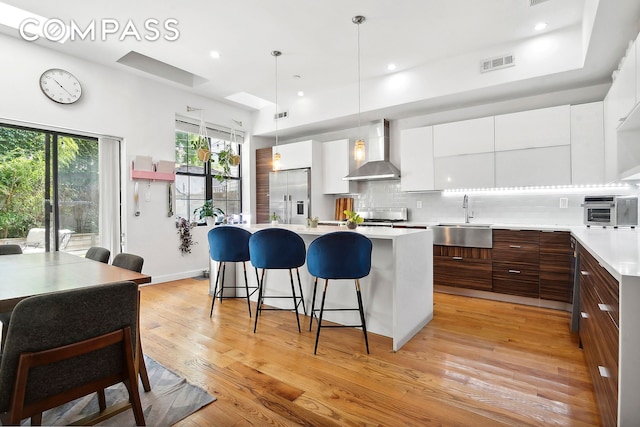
(215, 54)
(391, 67)
(540, 26)
(300, 93)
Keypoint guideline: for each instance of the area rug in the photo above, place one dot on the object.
(171, 399)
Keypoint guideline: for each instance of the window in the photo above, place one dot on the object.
(198, 180)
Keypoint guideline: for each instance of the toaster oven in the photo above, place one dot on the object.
(611, 211)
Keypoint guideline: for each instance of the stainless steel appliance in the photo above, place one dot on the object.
(383, 217)
(289, 195)
(613, 211)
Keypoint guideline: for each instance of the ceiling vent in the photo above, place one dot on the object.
(281, 115)
(497, 63)
(535, 2)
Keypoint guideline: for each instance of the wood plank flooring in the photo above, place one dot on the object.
(477, 363)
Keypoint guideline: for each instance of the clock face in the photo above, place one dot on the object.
(60, 86)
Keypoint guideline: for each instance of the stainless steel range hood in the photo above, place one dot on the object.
(378, 165)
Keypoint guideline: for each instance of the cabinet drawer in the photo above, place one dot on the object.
(606, 287)
(462, 272)
(516, 246)
(516, 279)
(459, 251)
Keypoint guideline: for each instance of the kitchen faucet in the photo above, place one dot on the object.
(465, 206)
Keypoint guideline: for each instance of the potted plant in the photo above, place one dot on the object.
(208, 212)
(274, 219)
(201, 145)
(312, 222)
(226, 159)
(353, 219)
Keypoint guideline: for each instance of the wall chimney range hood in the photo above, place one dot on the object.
(378, 166)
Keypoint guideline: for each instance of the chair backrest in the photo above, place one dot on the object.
(229, 244)
(52, 320)
(129, 261)
(340, 255)
(276, 248)
(97, 253)
(10, 249)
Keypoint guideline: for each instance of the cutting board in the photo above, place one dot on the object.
(343, 204)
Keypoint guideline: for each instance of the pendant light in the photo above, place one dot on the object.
(276, 155)
(358, 151)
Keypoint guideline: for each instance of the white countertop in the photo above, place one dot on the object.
(617, 250)
(371, 232)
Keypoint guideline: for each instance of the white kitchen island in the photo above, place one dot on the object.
(397, 294)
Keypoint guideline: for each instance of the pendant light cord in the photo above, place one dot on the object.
(359, 84)
(276, 53)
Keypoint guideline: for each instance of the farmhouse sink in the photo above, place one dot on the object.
(471, 235)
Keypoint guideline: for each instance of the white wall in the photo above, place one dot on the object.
(139, 110)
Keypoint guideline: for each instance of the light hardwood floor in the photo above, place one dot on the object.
(477, 363)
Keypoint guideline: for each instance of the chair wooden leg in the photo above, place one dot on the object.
(361, 309)
(324, 294)
(295, 302)
(36, 419)
(260, 291)
(215, 289)
(313, 303)
(246, 285)
(142, 368)
(102, 400)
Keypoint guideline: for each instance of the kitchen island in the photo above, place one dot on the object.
(397, 294)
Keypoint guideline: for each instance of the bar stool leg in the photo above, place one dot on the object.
(313, 302)
(259, 307)
(324, 294)
(215, 288)
(295, 302)
(246, 285)
(301, 295)
(360, 308)
(224, 271)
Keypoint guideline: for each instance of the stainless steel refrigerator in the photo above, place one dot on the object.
(289, 195)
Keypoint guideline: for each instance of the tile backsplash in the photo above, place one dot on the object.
(504, 207)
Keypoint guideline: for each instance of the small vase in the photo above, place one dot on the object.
(274, 222)
(351, 225)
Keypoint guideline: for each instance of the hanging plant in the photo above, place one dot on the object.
(201, 145)
(186, 240)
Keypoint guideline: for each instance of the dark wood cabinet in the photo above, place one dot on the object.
(462, 267)
(516, 262)
(599, 333)
(556, 254)
(263, 167)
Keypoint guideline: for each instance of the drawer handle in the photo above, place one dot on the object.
(584, 273)
(514, 271)
(604, 307)
(584, 315)
(604, 372)
(515, 246)
(457, 258)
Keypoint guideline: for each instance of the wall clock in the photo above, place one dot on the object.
(60, 86)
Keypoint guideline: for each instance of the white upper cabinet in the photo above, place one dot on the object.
(587, 143)
(335, 166)
(533, 167)
(295, 155)
(465, 171)
(416, 159)
(464, 137)
(544, 127)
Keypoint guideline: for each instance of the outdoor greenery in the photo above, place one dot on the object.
(22, 182)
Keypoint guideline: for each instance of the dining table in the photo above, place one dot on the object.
(26, 275)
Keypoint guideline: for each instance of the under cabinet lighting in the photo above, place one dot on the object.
(542, 188)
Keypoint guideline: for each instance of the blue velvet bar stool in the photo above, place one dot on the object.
(278, 249)
(339, 255)
(230, 244)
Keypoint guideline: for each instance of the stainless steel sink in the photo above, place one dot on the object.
(470, 235)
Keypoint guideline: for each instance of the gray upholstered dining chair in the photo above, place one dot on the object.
(129, 261)
(97, 253)
(65, 345)
(10, 249)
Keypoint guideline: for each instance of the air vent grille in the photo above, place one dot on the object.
(535, 2)
(281, 115)
(492, 64)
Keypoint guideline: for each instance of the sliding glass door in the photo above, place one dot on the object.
(49, 190)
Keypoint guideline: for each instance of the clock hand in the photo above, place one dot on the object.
(63, 88)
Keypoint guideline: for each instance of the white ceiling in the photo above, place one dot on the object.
(319, 43)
